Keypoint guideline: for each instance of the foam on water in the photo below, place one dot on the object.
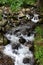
(35, 19)
(15, 39)
(23, 52)
(12, 38)
(28, 38)
(8, 51)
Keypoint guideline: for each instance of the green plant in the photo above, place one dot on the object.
(3, 1)
(30, 1)
(15, 5)
(39, 31)
(39, 53)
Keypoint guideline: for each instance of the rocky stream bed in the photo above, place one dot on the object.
(18, 31)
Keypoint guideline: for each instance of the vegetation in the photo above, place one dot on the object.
(39, 45)
(15, 5)
(39, 31)
(39, 54)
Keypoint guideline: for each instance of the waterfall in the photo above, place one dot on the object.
(19, 47)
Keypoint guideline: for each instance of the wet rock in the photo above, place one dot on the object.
(10, 23)
(32, 48)
(23, 21)
(15, 46)
(21, 15)
(26, 29)
(6, 41)
(1, 10)
(7, 27)
(26, 10)
(1, 49)
(1, 39)
(22, 40)
(28, 34)
(28, 16)
(15, 16)
(15, 13)
(29, 44)
(24, 32)
(26, 60)
(23, 10)
(1, 42)
(21, 29)
(17, 23)
(3, 24)
(1, 55)
(5, 60)
(5, 13)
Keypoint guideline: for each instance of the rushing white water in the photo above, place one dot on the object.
(12, 38)
(15, 39)
(35, 19)
(28, 38)
(22, 52)
(19, 53)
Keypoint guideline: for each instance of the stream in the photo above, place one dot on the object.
(20, 48)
